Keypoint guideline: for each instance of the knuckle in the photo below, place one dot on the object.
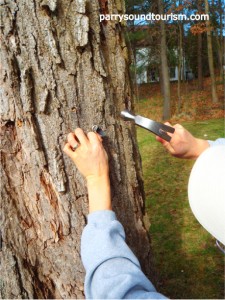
(78, 130)
(92, 136)
(178, 126)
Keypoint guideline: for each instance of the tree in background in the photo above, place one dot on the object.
(213, 29)
(61, 69)
(218, 23)
(210, 55)
(199, 54)
(164, 64)
(177, 29)
(152, 36)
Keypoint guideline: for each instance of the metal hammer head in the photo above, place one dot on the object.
(127, 115)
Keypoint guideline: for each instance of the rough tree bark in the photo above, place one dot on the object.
(60, 69)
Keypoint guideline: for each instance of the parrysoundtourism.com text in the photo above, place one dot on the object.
(153, 17)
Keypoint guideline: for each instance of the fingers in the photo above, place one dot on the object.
(168, 124)
(178, 126)
(99, 137)
(94, 138)
(167, 145)
(169, 148)
(162, 141)
(71, 138)
(81, 136)
(169, 133)
(67, 149)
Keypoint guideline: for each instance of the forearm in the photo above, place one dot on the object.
(112, 270)
(99, 193)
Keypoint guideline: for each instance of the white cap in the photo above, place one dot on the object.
(206, 191)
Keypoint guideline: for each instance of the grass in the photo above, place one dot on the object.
(188, 263)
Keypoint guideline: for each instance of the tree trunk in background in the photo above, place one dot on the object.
(224, 68)
(61, 69)
(219, 54)
(210, 55)
(200, 75)
(180, 57)
(221, 37)
(180, 60)
(164, 65)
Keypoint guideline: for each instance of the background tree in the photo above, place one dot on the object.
(151, 35)
(164, 64)
(210, 54)
(218, 23)
(178, 8)
(199, 54)
(61, 69)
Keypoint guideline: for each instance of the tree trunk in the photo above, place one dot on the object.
(180, 60)
(210, 56)
(200, 75)
(221, 37)
(219, 54)
(164, 65)
(61, 69)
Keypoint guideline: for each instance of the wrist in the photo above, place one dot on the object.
(199, 146)
(99, 193)
(93, 180)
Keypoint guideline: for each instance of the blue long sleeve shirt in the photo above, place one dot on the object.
(217, 142)
(112, 270)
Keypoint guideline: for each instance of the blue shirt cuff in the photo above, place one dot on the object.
(101, 217)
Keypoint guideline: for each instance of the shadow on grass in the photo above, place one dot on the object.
(185, 256)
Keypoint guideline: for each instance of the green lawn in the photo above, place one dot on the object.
(189, 264)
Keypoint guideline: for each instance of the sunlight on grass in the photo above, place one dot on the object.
(188, 263)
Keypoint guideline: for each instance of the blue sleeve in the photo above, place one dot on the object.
(217, 142)
(112, 270)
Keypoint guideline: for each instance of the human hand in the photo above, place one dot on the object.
(91, 160)
(90, 157)
(183, 144)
